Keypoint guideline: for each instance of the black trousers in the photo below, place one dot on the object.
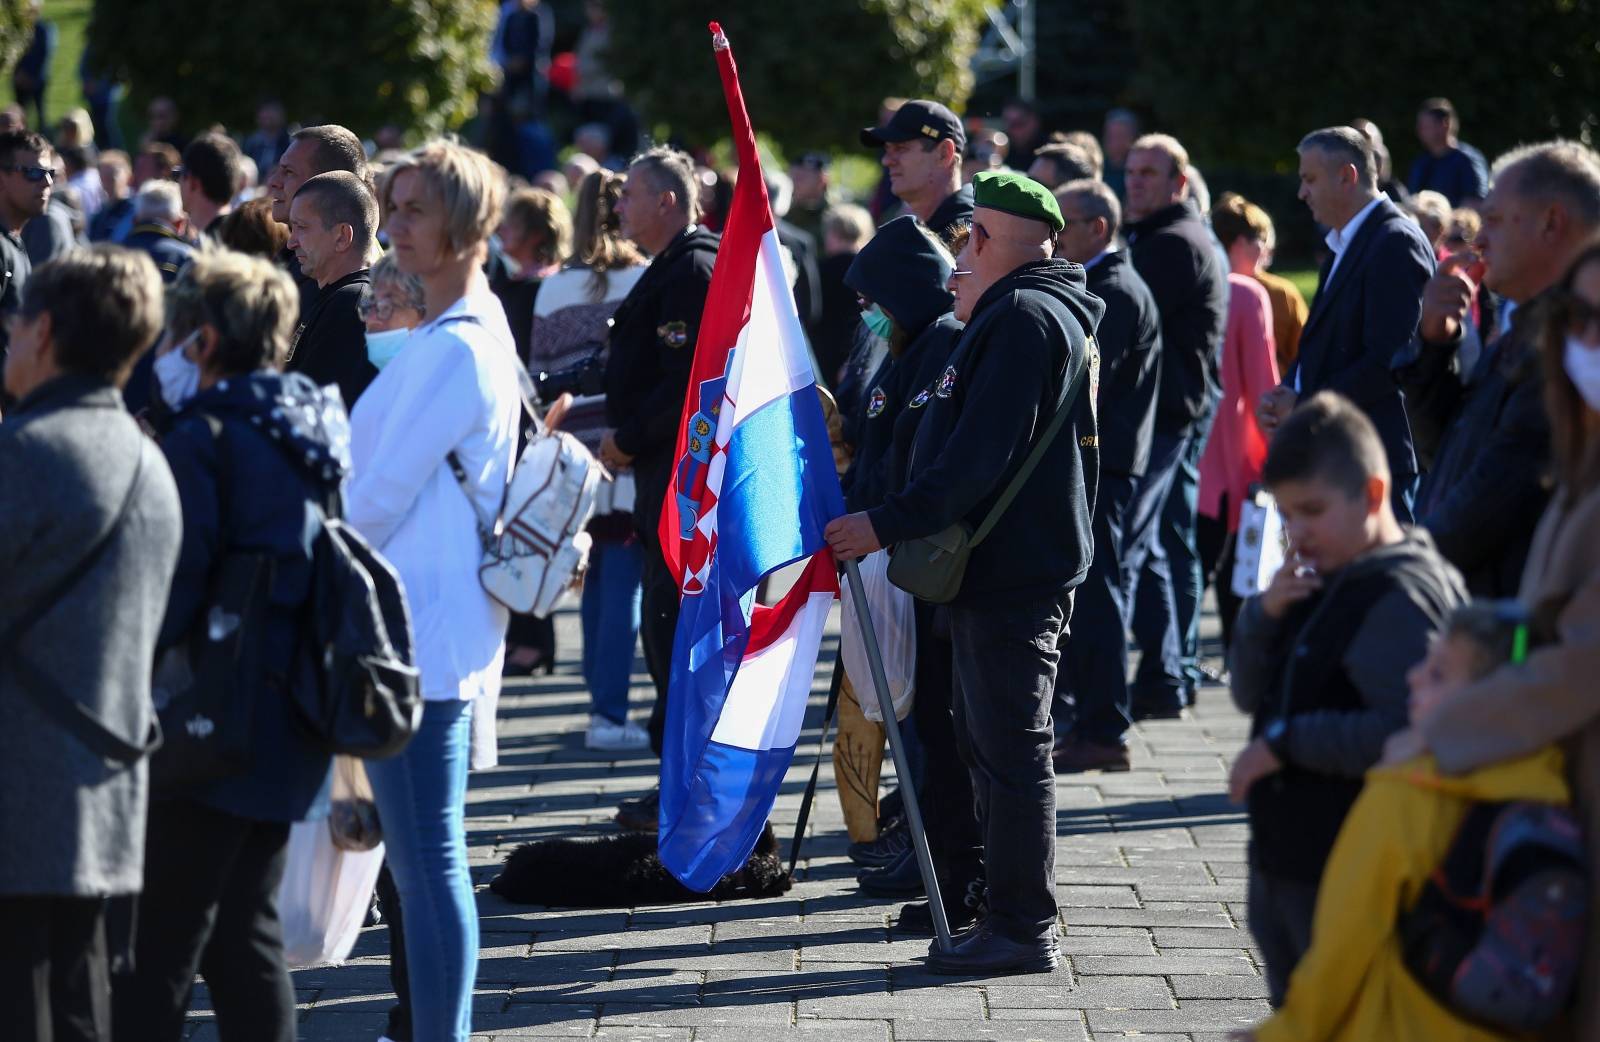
(1280, 912)
(54, 984)
(1094, 661)
(658, 626)
(945, 792)
(1005, 667)
(210, 904)
(1216, 546)
(399, 1029)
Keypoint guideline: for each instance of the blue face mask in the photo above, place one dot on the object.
(382, 347)
(879, 323)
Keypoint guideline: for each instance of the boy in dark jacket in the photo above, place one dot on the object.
(1320, 657)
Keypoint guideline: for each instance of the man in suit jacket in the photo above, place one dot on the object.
(78, 624)
(1368, 302)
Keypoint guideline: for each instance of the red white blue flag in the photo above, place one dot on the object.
(753, 488)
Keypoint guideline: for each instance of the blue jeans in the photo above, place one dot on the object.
(421, 796)
(610, 615)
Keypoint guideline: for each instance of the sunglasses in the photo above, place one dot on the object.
(32, 173)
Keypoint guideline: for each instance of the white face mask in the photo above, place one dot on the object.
(1582, 363)
(382, 347)
(178, 376)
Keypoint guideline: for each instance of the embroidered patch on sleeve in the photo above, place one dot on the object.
(876, 403)
(673, 334)
(947, 383)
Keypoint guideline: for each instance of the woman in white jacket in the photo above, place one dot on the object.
(453, 390)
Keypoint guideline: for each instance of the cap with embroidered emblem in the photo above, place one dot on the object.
(1018, 195)
(917, 121)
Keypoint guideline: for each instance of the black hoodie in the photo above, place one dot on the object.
(1027, 335)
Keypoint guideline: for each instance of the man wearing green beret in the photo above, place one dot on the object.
(1027, 354)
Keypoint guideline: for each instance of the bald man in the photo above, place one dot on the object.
(1027, 354)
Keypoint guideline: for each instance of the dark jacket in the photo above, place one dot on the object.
(1129, 338)
(330, 344)
(1489, 443)
(1174, 254)
(1363, 319)
(103, 226)
(1460, 175)
(166, 247)
(840, 317)
(1028, 335)
(517, 297)
(956, 209)
(802, 247)
(1334, 669)
(653, 336)
(256, 488)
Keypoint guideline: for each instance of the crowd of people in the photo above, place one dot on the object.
(1051, 356)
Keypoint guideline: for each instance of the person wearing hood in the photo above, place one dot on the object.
(1029, 339)
(254, 452)
(1319, 659)
(901, 279)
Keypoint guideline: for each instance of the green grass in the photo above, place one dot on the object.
(1305, 281)
(64, 91)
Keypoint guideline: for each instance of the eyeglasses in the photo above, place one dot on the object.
(32, 173)
(370, 307)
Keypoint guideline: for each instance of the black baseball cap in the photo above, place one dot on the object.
(917, 121)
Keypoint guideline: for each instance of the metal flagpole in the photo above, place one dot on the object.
(908, 788)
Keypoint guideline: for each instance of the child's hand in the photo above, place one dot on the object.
(1293, 584)
(1255, 763)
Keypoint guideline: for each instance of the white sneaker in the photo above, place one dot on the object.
(609, 737)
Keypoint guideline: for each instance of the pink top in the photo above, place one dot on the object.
(1237, 448)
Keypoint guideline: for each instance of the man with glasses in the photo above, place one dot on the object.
(26, 177)
(331, 221)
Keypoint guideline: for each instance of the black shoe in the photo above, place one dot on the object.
(1073, 755)
(900, 878)
(642, 813)
(891, 843)
(916, 920)
(890, 807)
(983, 952)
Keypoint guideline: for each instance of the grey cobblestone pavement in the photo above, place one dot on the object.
(1150, 877)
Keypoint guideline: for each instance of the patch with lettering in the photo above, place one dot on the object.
(947, 383)
(876, 403)
(673, 334)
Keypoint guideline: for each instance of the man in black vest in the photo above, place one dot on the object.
(653, 336)
(1028, 341)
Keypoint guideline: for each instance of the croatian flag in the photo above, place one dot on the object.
(752, 490)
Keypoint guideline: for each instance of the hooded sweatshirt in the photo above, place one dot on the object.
(1029, 333)
(281, 454)
(1353, 985)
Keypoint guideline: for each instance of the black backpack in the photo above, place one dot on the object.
(358, 690)
(1498, 933)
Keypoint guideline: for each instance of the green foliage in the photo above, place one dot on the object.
(16, 26)
(1241, 81)
(813, 74)
(418, 64)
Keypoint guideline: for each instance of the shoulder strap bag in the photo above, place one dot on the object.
(931, 568)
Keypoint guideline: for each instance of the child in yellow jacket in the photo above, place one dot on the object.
(1353, 985)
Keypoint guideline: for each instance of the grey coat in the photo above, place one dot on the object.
(72, 823)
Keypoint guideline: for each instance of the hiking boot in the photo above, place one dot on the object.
(641, 814)
(900, 878)
(983, 952)
(1073, 755)
(891, 843)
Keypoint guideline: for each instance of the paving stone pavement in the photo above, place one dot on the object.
(1150, 872)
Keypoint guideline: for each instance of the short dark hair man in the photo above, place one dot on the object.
(1485, 430)
(74, 466)
(1448, 166)
(1024, 132)
(1029, 336)
(211, 173)
(26, 178)
(922, 145)
(1059, 162)
(1176, 256)
(1368, 301)
(312, 151)
(653, 336)
(1095, 662)
(332, 219)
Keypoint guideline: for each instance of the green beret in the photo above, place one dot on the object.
(1017, 194)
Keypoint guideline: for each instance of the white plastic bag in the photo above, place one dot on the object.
(1260, 551)
(895, 619)
(324, 896)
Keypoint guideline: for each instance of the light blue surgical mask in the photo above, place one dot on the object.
(880, 324)
(177, 375)
(382, 347)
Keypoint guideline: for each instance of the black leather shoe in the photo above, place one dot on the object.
(642, 813)
(984, 952)
(1141, 713)
(890, 845)
(1073, 755)
(899, 878)
(916, 920)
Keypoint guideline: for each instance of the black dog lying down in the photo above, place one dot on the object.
(615, 871)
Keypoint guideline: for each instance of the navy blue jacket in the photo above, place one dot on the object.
(1130, 364)
(283, 450)
(1029, 333)
(1363, 320)
(1460, 175)
(166, 247)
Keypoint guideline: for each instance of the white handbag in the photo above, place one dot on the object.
(536, 546)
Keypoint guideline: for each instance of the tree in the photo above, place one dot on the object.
(813, 74)
(1241, 81)
(418, 64)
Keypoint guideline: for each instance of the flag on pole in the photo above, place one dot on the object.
(752, 490)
